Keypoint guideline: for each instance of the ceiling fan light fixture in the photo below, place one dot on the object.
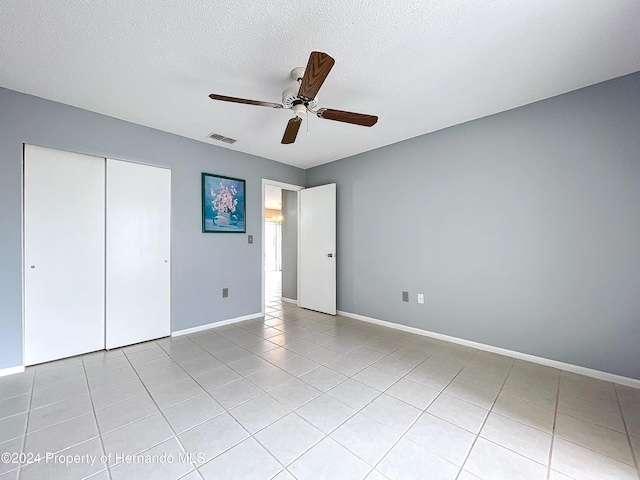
(299, 110)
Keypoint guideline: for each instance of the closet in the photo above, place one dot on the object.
(97, 245)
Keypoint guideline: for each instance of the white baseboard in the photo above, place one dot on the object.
(589, 372)
(289, 300)
(221, 323)
(11, 370)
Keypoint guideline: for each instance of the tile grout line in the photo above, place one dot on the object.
(598, 426)
(250, 435)
(195, 426)
(285, 469)
(553, 427)
(434, 352)
(53, 403)
(626, 428)
(327, 435)
(95, 419)
(59, 423)
(175, 435)
(26, 426)
(324, 435)
(419, 416)
(337, 336)
(138, 376)
(287, 465)
(473, 444)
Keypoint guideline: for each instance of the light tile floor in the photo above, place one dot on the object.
(298, 394)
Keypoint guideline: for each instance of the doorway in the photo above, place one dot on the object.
(272, 245)
(279, 244)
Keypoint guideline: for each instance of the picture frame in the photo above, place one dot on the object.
(223, 204)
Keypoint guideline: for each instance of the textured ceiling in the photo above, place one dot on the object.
(420, 66)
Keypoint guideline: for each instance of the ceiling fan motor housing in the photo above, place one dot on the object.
(290, 97)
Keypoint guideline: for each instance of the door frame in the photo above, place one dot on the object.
(283, 186)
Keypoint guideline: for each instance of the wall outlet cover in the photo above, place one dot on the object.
(225, 292)
(405, 296)
(421, 298)
(250, 239)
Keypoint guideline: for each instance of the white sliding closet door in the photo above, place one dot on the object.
(138, 289)
(64, 228)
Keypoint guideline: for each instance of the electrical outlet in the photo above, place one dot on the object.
(250, 239)
(421, 298)
(405, 296)
(225, 292)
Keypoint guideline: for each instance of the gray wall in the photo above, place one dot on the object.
(522, 229)
(202, 263)
(290, 244)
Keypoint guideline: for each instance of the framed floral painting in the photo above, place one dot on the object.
(223, 204)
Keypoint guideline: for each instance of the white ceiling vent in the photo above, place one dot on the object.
(222, 138)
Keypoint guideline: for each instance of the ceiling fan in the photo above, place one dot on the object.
(301, 97)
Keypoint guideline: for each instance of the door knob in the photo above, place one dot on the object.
(330, 255)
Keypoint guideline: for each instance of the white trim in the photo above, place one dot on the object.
(289, 300)
(298, 221)
(11, 370)
(283, 186)
(100, 154)
(22, 248)
(221, 323)
(569, 367)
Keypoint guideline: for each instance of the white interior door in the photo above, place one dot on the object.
(317, 270)
(64, 224)
(138, 289)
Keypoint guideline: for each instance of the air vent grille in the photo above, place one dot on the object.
(222, 138)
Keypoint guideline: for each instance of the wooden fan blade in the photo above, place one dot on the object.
(292, 130)
(224, 98)
(347, 117)
(318, 67)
